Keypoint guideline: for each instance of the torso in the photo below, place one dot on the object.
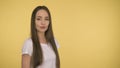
(49, 57)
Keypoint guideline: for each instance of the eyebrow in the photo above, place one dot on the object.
(41, 17)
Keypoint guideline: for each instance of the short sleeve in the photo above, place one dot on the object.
(57, 44)
(27, 47)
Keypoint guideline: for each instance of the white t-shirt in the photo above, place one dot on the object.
(49, 58)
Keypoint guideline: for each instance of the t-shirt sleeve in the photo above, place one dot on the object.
(57, 44)
(27, 47)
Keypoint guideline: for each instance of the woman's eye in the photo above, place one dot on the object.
(47, 19)
(38, 19)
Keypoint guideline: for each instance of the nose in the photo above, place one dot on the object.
(43, 22)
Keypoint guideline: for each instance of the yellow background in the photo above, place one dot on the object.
(88, 31)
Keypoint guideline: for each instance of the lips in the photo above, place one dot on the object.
(42, 27)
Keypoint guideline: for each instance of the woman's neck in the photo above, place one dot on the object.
(42, 37)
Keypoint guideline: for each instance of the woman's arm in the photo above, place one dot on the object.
(25, 61)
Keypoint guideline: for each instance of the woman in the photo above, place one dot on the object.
(40, 51)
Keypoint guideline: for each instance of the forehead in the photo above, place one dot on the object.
(42, 12)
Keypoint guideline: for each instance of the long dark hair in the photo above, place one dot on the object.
(37, 55)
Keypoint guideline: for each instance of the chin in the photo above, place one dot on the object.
(42, 31)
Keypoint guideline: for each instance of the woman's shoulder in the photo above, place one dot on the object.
(27, 47)
(28, 40)
(56, 42)
(27, 43)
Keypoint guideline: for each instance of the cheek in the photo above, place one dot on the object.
(47, 24)
(37, 25)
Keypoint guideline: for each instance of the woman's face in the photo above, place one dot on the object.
(41, 21)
